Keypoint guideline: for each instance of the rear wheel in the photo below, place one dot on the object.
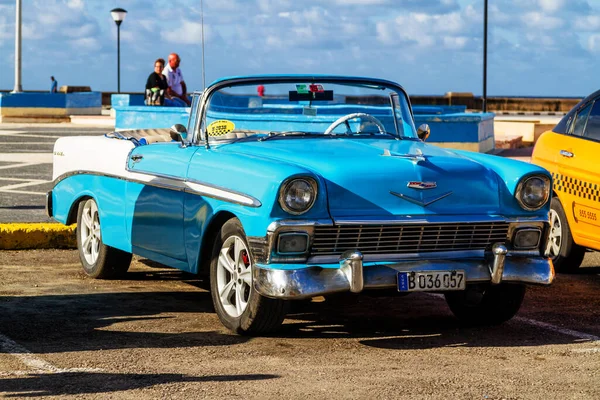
(565, 254)
(485, 304)
(239, 307)
(98, 260)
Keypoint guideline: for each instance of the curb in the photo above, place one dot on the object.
(24, 236)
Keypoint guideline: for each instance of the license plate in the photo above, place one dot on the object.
(431, 281)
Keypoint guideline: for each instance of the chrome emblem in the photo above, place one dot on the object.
(421, 202)
(421, 185)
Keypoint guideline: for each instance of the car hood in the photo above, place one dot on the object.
(386, 178)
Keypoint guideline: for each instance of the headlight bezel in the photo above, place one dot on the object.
(286, 185)
(520, 190)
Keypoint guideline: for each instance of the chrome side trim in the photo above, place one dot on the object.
(176, 184)
(316, 281)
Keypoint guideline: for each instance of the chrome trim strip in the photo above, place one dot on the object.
(439, 220)
(176, 184)
(316, 281)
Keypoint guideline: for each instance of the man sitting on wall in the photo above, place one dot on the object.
(177, 91)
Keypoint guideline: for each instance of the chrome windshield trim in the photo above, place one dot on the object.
(255, 80)
(176, 184)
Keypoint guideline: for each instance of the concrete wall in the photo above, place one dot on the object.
(26, 106)
(146, 117)
(449, 129)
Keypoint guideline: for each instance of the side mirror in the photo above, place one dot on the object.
(423, 132)
(178, 132)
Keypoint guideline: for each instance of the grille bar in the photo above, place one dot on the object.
(391, 239)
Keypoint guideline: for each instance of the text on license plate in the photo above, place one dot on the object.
(431, 281)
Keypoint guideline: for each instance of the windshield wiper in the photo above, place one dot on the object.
(284, 133)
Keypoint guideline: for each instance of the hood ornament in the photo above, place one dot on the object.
(418, 156)
(424, 202)
(421, 185)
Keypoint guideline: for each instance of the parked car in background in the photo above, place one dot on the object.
(323, 185)
(571, 152)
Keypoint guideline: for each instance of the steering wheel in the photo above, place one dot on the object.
(346, 118)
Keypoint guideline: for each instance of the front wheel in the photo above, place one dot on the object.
(566, 255)
(485, 304)
(239, 307)
(98, 260)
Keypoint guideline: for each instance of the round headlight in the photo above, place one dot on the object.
(533, 192)
(298, 195)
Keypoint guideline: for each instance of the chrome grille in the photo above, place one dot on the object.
(398, 239)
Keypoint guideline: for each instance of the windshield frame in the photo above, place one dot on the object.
(200, 136)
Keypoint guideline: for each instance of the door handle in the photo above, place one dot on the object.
(136, 157)
(566, 153)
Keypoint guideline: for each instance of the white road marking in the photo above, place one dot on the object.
(21, 185)
(565, 331)
(9, 132)
(16, 166)
(28, 144)
(38, 365)
(590, 339)
(4, 178)
(22, 192)
(20, 134)
(35, 158)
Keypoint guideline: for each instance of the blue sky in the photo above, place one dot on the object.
(535, 47)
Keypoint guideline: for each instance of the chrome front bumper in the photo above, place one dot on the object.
(352, 275)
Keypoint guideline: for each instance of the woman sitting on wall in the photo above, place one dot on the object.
(156, 85)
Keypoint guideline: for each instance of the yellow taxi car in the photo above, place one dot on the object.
(571, 152)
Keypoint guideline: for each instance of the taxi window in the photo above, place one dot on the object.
(581, 120)
(592, 129)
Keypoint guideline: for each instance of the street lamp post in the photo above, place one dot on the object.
(18, 88)
(118, 15)
(485, 24)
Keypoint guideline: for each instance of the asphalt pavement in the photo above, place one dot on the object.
(26, 167)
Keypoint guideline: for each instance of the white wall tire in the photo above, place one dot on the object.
(98, 260)
(237, 304)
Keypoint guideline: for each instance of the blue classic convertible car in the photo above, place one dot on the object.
(316, 185)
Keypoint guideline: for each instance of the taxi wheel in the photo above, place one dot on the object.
(485, 304)
(98, 260)
(239, 307)
(565, 254)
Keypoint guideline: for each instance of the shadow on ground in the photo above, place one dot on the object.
(62, 384)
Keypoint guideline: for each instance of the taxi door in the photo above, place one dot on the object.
(578, 179)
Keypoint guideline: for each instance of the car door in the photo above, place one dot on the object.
(157, 192)
(579, 175)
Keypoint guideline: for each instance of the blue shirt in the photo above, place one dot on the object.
(53, 86)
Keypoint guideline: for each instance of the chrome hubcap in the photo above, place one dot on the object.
(234, 276)
(555, 239)
(90, 232)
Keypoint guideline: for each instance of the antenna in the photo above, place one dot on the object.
(202, 26)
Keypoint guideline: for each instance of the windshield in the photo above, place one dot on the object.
(307, 108)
